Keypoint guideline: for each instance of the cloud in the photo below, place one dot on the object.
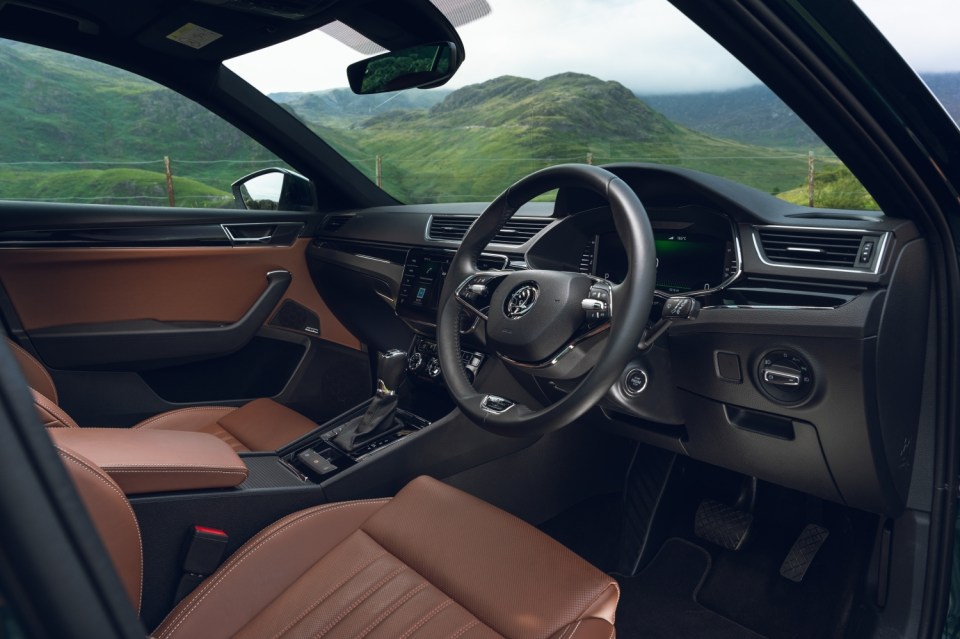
(648, 45)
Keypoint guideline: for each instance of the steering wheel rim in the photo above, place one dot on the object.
(633, 298)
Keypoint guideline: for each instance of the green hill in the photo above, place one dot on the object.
(342, 107)
(483, 137)
(51, 123)
(833, 188)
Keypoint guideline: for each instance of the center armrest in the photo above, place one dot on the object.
(153, 461)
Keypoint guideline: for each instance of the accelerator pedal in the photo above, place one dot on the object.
(804, 549)
(722, 525)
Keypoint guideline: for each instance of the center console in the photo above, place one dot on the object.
(317, 458)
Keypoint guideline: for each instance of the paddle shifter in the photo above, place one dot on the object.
(381, 416)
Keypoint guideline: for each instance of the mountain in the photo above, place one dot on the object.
(342, 107)
(481, 138)
(755, 115)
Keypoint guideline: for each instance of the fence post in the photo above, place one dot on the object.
(166, 166)
(810, 179)
(589, 158)
(379, 171)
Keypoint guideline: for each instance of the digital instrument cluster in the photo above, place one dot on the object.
(687, 261)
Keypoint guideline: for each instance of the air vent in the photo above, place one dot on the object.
(515, 232)
(449, 227)
(820, 248)
(586, 260)
(334, 222)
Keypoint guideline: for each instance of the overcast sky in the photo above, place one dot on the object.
(645, 44)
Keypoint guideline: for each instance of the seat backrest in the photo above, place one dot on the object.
(113, 518)
(37, 376)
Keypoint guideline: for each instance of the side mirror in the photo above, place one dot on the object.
(423, 66)
(274, 189)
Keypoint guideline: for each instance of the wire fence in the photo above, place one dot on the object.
(409, 177)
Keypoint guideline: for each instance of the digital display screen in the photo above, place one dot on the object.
(685, 261)
(426, 284)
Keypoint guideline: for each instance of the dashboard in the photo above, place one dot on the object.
(804, 366)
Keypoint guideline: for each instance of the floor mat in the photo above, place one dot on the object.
(660, 601)
(747, 586)
(591, 529)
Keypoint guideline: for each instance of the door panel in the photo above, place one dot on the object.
(64, 287)
(85, 302)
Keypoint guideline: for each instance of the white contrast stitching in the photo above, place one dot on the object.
(242, 554)
(83, 465)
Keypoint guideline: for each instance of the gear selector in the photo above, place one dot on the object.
(380, 417)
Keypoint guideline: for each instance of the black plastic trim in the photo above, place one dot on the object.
(141, 344)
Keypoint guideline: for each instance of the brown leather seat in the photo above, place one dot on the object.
(261, 425)
(430, 562)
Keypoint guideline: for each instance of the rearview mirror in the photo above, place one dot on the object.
(274, 189)
(423, 66)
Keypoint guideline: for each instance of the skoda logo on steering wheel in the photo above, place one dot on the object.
(521, 300)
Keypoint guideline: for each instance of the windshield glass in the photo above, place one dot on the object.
(527, 98)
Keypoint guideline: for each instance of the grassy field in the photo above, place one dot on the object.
(110, 186)
(833, 188)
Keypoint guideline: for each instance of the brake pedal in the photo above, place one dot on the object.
(802, 553)
(722, 525)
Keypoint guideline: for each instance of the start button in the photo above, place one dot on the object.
(634, 382)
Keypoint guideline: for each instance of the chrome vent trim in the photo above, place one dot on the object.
(820, 248)
(453, 228)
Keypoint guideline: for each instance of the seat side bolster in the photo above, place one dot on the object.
(51, 415)
(113, 518)
(591, 628)
(38, 378)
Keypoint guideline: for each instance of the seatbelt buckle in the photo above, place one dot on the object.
(205, 549)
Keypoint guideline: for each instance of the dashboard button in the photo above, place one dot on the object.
(728, 367)
(635, 382)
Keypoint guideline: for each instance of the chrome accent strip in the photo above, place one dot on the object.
(370, 257)
(245, 240)
(881, 250)
(487, 408)
(389, 300)
(559, 354)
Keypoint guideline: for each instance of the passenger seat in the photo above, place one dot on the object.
(261, 425)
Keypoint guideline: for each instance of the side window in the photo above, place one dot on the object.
(75, 130)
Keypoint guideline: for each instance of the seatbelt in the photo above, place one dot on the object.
(205, 549)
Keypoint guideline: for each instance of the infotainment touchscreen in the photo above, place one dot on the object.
(422, 283)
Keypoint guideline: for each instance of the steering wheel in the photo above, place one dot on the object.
(559, 324)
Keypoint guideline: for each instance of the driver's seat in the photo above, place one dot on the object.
(431, 562)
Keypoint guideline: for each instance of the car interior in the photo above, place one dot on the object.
(658, 403)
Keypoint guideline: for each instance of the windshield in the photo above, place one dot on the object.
(561, 92)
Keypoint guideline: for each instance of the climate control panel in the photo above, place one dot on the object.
(424, 361)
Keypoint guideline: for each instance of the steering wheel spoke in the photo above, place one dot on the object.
(474, 292)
